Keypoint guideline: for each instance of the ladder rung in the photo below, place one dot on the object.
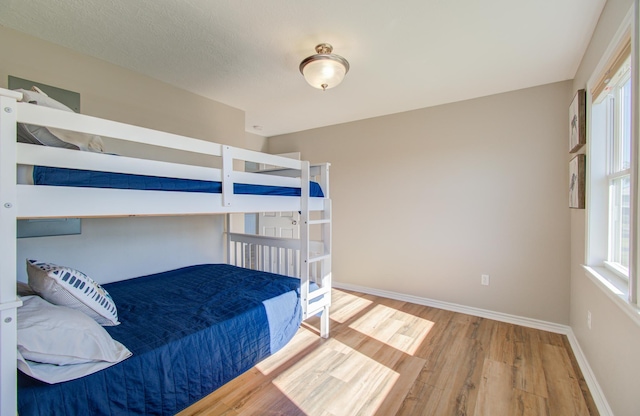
(319, 292)
(315, 222)
(316, 307)
(319, 258)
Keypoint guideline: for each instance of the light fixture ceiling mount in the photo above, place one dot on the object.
(325, 69)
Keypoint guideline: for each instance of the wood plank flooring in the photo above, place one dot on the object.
(387, 357)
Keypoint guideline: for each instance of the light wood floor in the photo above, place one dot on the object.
(388, 357)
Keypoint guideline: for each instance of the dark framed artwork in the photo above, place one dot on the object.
(578, 121)
(69, 98)
(577, 181)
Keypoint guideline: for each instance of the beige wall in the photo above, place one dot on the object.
(255, 142)
(114, 249)
(115, 93)
(612, 345)
(426, 201)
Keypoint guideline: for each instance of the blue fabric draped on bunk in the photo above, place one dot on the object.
(190, 331)
(43, 175)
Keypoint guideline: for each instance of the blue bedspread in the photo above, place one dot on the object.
(191, 330)
(43, 175)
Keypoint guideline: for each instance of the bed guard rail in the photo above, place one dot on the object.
(223, 155)
(285, 256)
(295, 172)
(269, 254)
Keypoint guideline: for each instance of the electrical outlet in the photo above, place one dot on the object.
(589, 319)
(484, 280)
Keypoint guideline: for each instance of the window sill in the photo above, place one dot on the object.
(615, 288)
(622, 273)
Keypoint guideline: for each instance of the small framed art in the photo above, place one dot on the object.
(577, 121)
(577, 181)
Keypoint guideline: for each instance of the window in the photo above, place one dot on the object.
(612, 112)
(612, 167)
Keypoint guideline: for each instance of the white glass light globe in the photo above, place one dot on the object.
(324, 73)
(324, 70)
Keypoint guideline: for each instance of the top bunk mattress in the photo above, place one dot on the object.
(43, 175)
(190, 331)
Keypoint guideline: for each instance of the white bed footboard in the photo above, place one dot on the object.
(268, 254)
(286, 256)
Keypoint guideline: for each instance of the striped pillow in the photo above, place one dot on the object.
(69, 287)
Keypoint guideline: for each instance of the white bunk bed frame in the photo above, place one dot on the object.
(303, 258)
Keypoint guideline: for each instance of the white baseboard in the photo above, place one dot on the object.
(587, 373)
(596, 392)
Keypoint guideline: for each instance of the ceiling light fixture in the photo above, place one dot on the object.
(324, 70)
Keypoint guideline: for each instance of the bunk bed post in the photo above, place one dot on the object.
(324, 179)
(305, 265)
(227, 232)
(227, 175)
(325, 262)
(326, 267)
(8, 252)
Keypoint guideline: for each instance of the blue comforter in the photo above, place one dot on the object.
(191, 330)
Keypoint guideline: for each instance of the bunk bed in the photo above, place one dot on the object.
(202, 325)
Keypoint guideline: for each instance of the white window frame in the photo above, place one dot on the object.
(620, 283)
(616, 171)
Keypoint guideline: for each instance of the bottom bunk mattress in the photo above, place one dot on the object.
(190, 330)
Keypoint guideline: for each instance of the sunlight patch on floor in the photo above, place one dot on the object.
(344, 305)
(337, 379)
(303, 340)
(398, 329)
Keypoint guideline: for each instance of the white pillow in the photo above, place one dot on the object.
(38, 97)
(69, 287)
(32, 134)
(56, 343)
(50, 136)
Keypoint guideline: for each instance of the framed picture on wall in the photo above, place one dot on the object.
(577, 181)
(577, 121)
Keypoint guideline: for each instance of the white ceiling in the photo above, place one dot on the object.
(404, 54)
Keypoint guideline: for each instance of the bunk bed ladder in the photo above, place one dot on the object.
(315, 256)
(307, 258)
